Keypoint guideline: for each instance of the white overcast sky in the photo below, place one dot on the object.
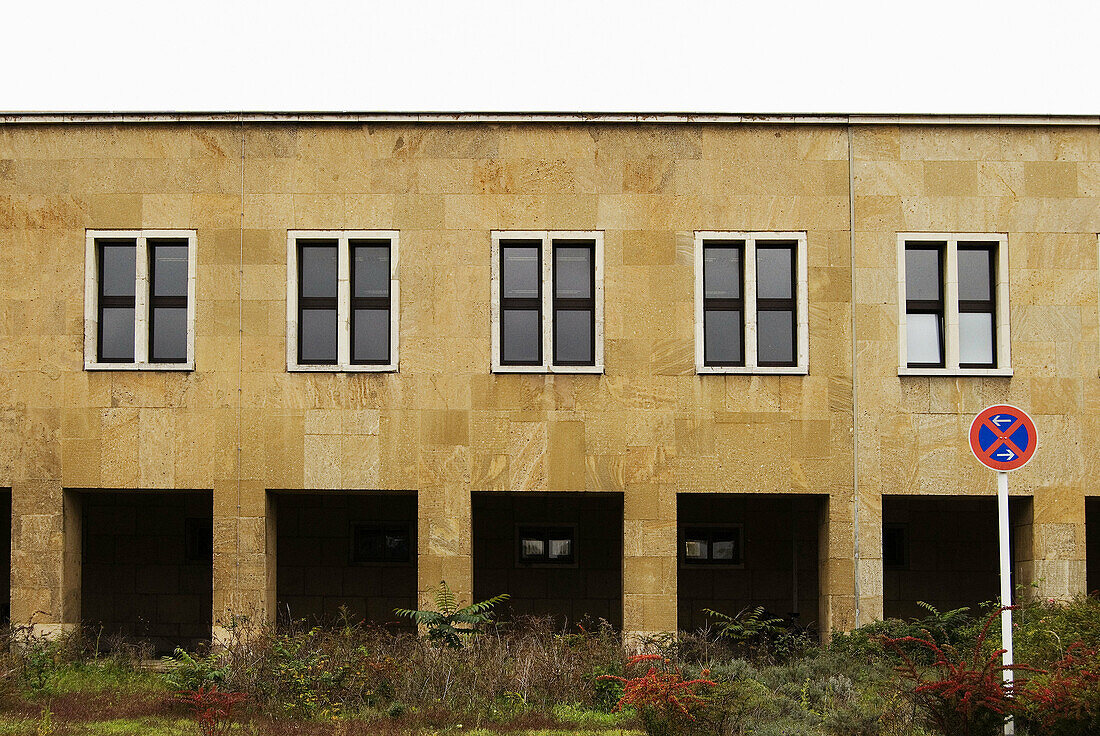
(957, 56)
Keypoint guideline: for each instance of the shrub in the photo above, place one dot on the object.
(449, 624)
(665, 700)
(1045, 628)
(968, 696)
(211, 708)
(188, 672)
(1066, 700)
(953, 628)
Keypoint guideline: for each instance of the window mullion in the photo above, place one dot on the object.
(546, 321)
(343, 302)
(749, 292)
(951, 305)
(141, 300)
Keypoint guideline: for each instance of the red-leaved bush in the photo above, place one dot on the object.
(962, 694)
(211, 708)
(1065, 701)
(662, 696)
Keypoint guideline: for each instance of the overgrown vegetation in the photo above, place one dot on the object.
(750, 674)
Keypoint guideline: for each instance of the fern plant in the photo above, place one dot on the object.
(747, 625)
(449, 624)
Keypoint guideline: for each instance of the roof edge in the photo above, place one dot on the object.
(83, 118)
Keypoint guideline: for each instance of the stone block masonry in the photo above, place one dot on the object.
(444, 428)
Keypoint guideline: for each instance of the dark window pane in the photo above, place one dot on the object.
(975, 271)
(522, 272)
(370, 270)
(117, 274)
(774, 269)
(922, 274)
(370, 544)
(976, 338)
(726, 546)
(572, 272)
(318, 336)
(722, 337)
(696, 549)
(371, 341)
(922, 333)
(573, 336)
(169, 335)
(559, 548)
(520, 336)
(116, 334)
(397, 547)
(169, 263)
(317, 268)
(721, 272)
(775, 337)
(532, 548)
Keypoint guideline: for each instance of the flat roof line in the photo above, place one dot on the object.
(25, 118)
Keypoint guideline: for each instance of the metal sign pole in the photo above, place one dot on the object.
(1006, 586)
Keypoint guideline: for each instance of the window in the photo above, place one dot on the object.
(751, 312)
(546, 545)
(547, 309)
(953, 299)
(139, 300)
(381, 543)
(342, 300)
(895, 547)
(712, 545)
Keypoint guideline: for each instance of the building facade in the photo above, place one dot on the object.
(627, 368)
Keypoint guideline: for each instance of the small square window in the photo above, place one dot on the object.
(198, 534)
(547, 545)
(711, 545)
(342, 310)
(139, 290)
(381, 543)
(953, 304)
(547, 309)
(751, 310)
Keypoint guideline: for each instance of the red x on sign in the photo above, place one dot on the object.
(1003, 437)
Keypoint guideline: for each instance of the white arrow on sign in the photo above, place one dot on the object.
(1005, 455)
(1001, 419)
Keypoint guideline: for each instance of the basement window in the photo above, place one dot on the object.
(381, 543)
(139, 300)
(547, 545)
(712, 545)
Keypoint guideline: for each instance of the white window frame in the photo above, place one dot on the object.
(802, 309)
(141, 299)
(951, 305)
(343, 301)
(547, 238)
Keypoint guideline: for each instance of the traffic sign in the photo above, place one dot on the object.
(1003, 437)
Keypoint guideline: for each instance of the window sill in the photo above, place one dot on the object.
(779, 370)
(295, 368)
(176, 367)
(564, 369)
(975, 372)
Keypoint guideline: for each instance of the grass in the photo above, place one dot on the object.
(167, 726)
